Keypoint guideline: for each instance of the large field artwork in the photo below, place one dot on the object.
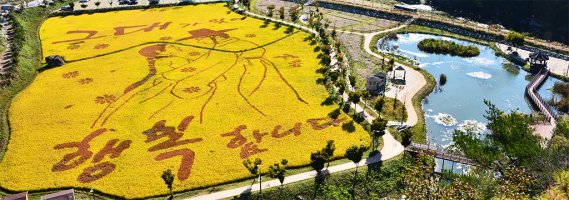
(195, 89)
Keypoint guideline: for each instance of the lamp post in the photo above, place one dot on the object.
(92, 193)
(260, 180)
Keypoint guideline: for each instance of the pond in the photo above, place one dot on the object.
(460, 102)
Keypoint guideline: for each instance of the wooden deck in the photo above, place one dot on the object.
(438, 153)
(544, 130)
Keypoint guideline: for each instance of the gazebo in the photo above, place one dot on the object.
(399, 75)
(538, 61)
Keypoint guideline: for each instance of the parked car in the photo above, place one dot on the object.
(185, 1)
(154, 2)
(133, 2)
(83, 1)
(124, 2)
(66, 8)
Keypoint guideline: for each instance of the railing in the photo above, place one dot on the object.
(531, 91)
(438, 152)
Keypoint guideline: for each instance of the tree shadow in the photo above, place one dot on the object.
(374, 167)
(277, 26)
(328, 102)
(265, 24)
(312, 43)
(317, 49)
(289, 30)
(245, 195)
(349, 127)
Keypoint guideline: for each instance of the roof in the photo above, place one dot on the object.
(19, 196)
(380, 75)
(538, 56)
(63, 195)
(400, 68)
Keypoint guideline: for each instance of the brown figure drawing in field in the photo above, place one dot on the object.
(194, 76)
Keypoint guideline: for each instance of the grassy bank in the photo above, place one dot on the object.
(27, 59)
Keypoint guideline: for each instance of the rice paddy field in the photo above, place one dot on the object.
(195, 89)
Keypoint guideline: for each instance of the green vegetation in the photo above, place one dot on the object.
(447, 47)
(525, 167)
(561, 89)
(517, 39)
(27, 57)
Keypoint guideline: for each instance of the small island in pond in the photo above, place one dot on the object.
(447, 47)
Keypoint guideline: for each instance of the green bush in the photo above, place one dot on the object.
(447, 47)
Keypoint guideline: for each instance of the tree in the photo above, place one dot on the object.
(378, 126)
(253, 167)
(168, 178)
(328, 151)
(317, 161)
(270, 8)
(282, 13)
(293, 12)
(278, 170)
(98, 3)
(352, 80)
(515, 38)
(355, 154)
(511, 140)
(379, 105)
(442, 79)
(406, 137)
(391, 64)
(83, 6)
(354, 97)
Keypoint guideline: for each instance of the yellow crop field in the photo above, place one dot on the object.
(194, 89)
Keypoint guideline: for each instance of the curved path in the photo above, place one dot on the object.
(414, 80)
(391, 148)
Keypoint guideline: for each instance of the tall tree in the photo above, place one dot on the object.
(278, 170)
(168, 178)
(282, 13)
(270, 8)
(378, 126)
(328, 151)
(355, 154)
(354, 97)
(317, 161)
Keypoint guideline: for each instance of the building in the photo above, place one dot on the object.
(399, 76)
(538, 61)
(376, 84)
(19, 196)
(63, 195)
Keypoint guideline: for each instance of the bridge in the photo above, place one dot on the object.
(544, 130)
(438, 152)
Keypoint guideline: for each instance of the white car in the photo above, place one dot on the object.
(83, 1)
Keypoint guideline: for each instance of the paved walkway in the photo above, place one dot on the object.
(414, 81)
(555, 65)
(391, 148)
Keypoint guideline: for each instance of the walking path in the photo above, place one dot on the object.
(414, 81)
(555, 65)
(391, 148)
